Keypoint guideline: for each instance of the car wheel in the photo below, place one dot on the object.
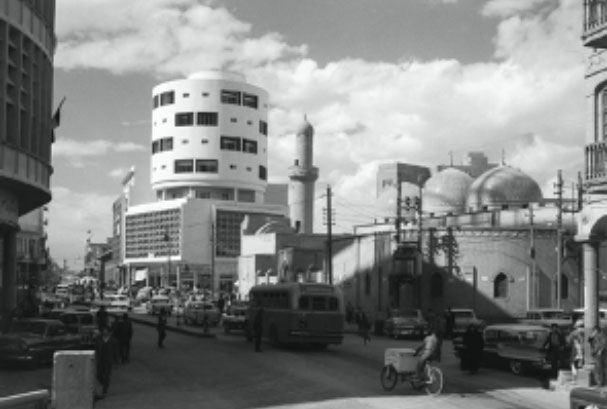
(517, 367)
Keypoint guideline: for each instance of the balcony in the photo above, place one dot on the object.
(596, 166)
(595, 23)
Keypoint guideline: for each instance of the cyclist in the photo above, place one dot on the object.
(429, 348)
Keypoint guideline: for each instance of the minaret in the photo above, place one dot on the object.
(302, 176)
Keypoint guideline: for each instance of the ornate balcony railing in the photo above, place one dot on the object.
(595, 23)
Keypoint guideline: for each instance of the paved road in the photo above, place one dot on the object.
(225, 372)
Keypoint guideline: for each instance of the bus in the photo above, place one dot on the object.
(298, 313)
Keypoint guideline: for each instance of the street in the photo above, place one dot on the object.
(225, 372)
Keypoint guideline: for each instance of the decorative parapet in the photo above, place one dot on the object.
(303, 174)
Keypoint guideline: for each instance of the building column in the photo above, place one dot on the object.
(8, 298)
(591, 296)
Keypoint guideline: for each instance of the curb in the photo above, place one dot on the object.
(172, 328)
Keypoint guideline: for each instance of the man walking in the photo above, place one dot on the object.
(102, 318)
(554, 345)
(104, 358)
(161, 329)
(124, 338)
(258, 328)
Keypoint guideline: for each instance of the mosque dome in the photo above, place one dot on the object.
(305, 128)
(446, 192)
(502, 186)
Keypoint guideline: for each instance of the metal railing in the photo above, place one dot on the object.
(34, 400)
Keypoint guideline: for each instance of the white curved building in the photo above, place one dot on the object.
(209, 138)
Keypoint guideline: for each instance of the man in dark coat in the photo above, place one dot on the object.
(449, 323)
(102, 318)
(123, 334)
(554, 344)
(104, 358)
(161, 329)
(258, 329)
(473, 349)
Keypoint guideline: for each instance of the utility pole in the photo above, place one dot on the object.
(399, 193)
(167, 239)
(212, 284)
(559, 224)
(532, 296)
(329, 212)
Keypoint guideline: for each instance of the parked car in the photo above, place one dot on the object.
(517, 346)
(34, 341)
(196, 312)
(577, 315)
(158, 304)
(409, 322)
(118, 303)
(144, 294)
(548, 316)
(464, 317)
(82, 323)
(235, 317)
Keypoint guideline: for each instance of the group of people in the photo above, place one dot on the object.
(113, 346)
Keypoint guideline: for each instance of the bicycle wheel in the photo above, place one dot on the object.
(388, 377)
(434, 383)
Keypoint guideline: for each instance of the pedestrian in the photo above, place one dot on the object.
(161, 329)
(364, 327)
(576, 345)
(104, 358)
(102, 318)
(597, 347)
(258, 328)
(349, 313)
(124, 342)
(554, 345)
(449, 323)
(473, 349)
(116, 329)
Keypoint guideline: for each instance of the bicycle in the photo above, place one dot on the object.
(401, 364)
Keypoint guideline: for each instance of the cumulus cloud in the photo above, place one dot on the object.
(364, 113)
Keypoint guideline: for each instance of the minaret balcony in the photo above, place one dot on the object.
(303, 174)
(596, 166)
(595, 23)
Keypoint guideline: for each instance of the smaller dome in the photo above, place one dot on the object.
(446, 192)
(503, 186)
(305, 128)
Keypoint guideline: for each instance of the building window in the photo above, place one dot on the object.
(604, 112)
(263, 173)
(156, 101)
(184, 166)
(204, 141)
(249, 100)
(229, 143)
(500, 286)
(185, 141)
(233, 120)
(205, 94)
(155, 147)
(206, 165)
(230, 97)
(263, 128)
(564, 287)
(206, 118)
(166, 144)
(436, 285)
(167, 98)
(249, 146)
(186, 95)
(184, 119)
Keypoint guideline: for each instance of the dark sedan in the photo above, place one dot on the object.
(34, 341)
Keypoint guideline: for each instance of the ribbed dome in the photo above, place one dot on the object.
(501, 186)
(446, 192)
(305, 128)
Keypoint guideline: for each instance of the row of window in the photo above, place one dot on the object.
(227, 143)
(207, 166)
(230, 97)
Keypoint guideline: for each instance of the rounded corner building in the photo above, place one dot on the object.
(209, 170)
(27, 44)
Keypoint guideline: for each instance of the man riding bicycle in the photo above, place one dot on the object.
(429, 349)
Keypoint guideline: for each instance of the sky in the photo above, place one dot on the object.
(380, 80)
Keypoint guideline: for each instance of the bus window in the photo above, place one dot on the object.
(319, 303)
(304, 303)
(333, 304)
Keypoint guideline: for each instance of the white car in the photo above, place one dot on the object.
(118, 303)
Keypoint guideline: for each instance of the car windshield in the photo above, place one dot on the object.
(463, 314)
(554, 315)
(30, 327)
(408, 314)
(531, 337)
